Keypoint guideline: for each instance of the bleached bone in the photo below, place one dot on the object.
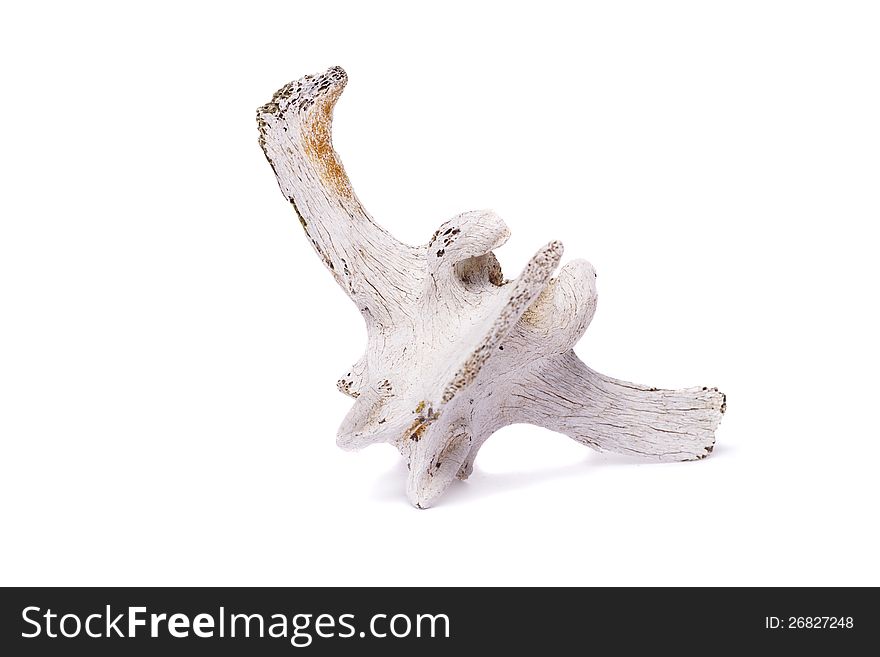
(455, 351)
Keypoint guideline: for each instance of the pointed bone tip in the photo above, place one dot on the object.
(346, 444)
(300, 95)
(418, 491)
(352, 442)
(555, 249)
(338, 72)
(579, 268)
(581, 275)
(547, 259)
(420, 501)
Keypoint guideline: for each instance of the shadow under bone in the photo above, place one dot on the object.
(391, 486)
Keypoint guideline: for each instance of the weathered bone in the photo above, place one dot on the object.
(455, 351)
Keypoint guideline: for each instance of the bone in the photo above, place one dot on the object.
(454, 350)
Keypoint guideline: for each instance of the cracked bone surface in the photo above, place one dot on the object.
(454, 350)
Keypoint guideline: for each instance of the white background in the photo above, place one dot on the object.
(170, 343)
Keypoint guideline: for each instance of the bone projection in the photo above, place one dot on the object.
(454, 350)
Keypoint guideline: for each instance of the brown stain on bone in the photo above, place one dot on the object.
(318, 143)
(418, 426)
(541, 309)
(415, 431)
